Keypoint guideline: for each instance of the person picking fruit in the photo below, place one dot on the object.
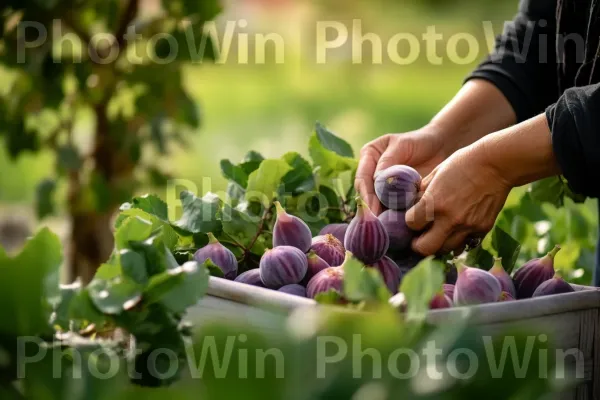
(531, 110)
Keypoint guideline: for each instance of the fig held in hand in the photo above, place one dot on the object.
(555, 285)
(337, 230)
(250, 277)
(220, 255)
(283, 265)
(533, 273)
(397, 187)
(329, 249)
(366, 237)
(505, 280)
(391, 273)
(400, 235)
(290, 231)
(475, 286)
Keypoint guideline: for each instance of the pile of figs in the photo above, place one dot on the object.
(302, 265)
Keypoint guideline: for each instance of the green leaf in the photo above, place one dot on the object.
(24, 284)
(19, 139)
(419, 286)
(331, 142)
(62, 316)
(549, 190)
(133, 265)
(194, 285)
(153, 205)
(134, 229)
(264, 182)
(200, 214)
(113, 296)
(480, 257)
(506, 247)
(332, 296)
(157, 256)
(207, 10)
(331, 154)
(300, 179)
(44, 198)
(83, 309)
(213, 269)
(239, 225)
(363, 284)
(234, 173)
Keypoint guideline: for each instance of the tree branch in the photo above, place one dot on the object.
(126, 20)
(73, 25)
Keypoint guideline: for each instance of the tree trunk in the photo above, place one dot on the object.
(92, 239)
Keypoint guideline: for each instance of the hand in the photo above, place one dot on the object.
(421, 149)
(460, 198)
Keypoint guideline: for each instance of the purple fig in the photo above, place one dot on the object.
(283, 265)
(315, 265)
(366, 237)
(397, 187)
(324, 281)
(295, 289)
(555, 285)
(395, 225)
(475, 286)
(533, 273)
(250, 277)
(391, 273)
(220, 255)
(505, 281)
(329, 249)
(290, 231)
(505, 296)
(440, 300)
(448, 290)
(408, 261)
(337, 230)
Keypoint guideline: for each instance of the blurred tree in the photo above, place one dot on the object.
(118, 61)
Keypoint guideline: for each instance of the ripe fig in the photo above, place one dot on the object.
(337, 230)
(533, 273)
(505, 296)
(250, 277)
(391, 273)
(555, 285)
(329, 249)
(220, 255)
(395, 225)
(505, 281)
(290, 231)
(440, 300)
(366, 236)
(408, 261)
(324, 281)
(397, 187)
(295, 289)
(315, 265)
(283, 265)
(475, 286)
(448, 290)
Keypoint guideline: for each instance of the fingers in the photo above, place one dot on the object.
(364, 182)
(421, 214)
(455, 242)
(431, 242)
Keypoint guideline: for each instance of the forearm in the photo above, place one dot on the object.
(520, 154)
(477, 109)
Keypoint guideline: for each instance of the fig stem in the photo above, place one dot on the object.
(280, 210)
(211, 238)
(460, 265)
(498, 263)
(553, 252)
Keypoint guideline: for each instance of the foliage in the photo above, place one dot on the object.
(116, 61)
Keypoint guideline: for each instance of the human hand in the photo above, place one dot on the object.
(461, 198)
(421, 149)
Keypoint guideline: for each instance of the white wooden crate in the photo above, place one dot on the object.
(571, 320)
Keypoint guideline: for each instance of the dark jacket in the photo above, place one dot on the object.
(547, 61)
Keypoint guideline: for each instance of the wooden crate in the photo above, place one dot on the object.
(572, 320)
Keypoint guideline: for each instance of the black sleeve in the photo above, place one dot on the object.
(523, 64)
(575, 124)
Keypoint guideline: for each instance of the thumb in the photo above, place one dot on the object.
(398, 152)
